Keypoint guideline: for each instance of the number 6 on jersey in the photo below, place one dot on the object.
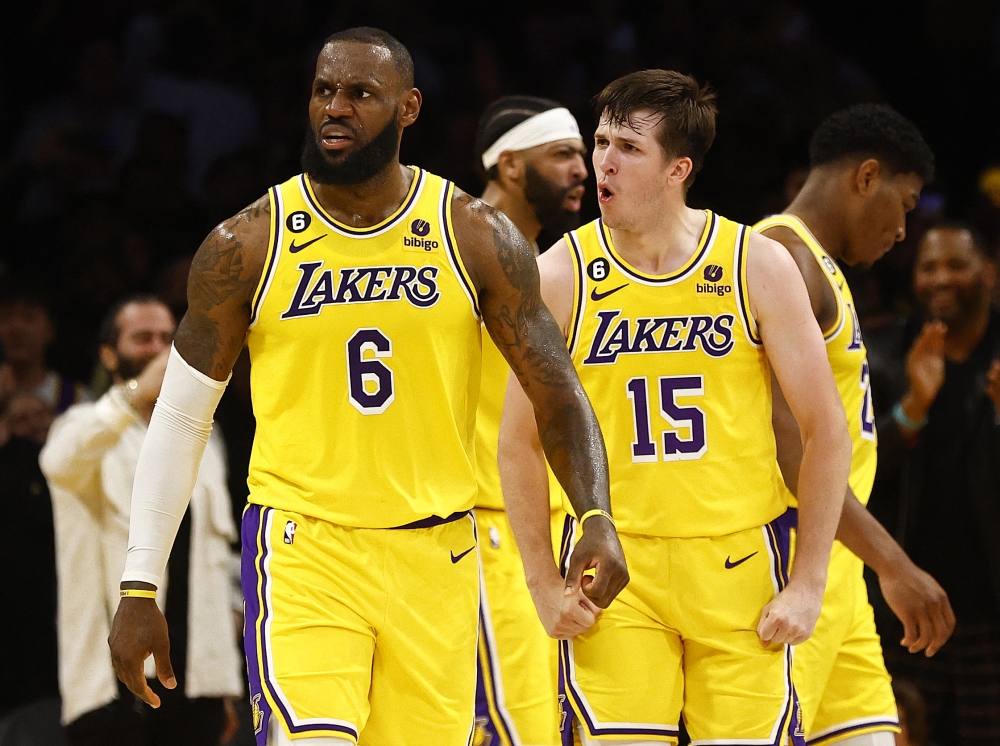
(370, 382)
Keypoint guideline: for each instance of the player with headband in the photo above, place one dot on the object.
(532, 159)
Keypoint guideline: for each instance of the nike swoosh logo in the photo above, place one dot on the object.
(594, 295)
(456, 557)
(731, 565)
(293, 249)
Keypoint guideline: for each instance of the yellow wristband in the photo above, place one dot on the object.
(591, 513)
(137, 593)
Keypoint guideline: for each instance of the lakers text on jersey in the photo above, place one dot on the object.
(680, 383)
(365, 350)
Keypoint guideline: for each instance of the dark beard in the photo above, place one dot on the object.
(355, 168)
(547, 200)
(130, 367)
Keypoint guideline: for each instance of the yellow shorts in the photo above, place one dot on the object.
(516, 697)
(682, 635)
(839, 673)
(364, 634)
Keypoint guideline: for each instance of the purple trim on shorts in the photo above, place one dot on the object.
(500, 731)
(841, 732)
(250, 530)
(569, 691)
(255, 526)
(434, 520)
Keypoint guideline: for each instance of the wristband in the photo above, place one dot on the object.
(137, 593)
(604, 513)
(900, 416)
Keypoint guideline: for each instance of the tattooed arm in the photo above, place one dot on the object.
(224, 275)
(504, 271)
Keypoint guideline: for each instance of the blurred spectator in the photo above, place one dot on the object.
(90, 461)
(29, 691)
(190, 82)
(936, 382)
(26, 332)
(912, 714)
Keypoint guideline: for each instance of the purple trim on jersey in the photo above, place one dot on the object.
(256, 526)
(447, 190)
(712, 224)
(276, 205)
(841, 732)
(346, 230)
(742, 243)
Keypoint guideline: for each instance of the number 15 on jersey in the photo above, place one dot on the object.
(686, 420)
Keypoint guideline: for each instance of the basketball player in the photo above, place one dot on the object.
(532, 155)
(674, 318)
(359, 287)
(868, 165)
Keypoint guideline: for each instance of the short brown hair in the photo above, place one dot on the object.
(686, 109)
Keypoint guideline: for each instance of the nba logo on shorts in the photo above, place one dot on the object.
(290, 532)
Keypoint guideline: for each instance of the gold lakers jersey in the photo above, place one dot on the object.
(680, 383)
(365, 352)
(492, 393)
(848, 358)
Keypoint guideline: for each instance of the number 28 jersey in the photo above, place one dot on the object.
(680, 384)
(365, 363)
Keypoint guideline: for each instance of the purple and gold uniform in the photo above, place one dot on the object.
(682, 390)
(360, 564)
(839, 673)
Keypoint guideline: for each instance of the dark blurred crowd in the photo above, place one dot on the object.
(129, 129)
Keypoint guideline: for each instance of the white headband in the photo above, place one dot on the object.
(549, 126)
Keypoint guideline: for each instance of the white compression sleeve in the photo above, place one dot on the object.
(168, 466)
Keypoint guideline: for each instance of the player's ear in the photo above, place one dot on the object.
(409, 108)
(510, 167)
(108, 357)
(679, 169)
(867, 176)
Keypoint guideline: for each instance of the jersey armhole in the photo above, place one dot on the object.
(454, 255)
(579, 285)
(273, 251)
(742, 288)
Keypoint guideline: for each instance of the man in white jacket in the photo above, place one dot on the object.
(89, 461)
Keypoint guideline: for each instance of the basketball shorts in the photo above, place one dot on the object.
(363, 634)
(682, 635)
(843, 686)
(516, 697)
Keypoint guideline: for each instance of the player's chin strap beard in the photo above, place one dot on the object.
(365, 163)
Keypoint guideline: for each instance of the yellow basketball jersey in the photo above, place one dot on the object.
(848, 358)
(365, 352)
(680, 384)
(492, 393)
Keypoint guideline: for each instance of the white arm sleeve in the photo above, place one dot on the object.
(168, 466)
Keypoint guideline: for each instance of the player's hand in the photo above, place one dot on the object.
(925, 370)
(564, 613)
(138, 631)
(921, 605)
(598, 549)
(790, 617)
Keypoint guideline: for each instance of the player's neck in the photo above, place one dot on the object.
(818, 205)
(663, 242)
(368, 203)
(513, 204)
